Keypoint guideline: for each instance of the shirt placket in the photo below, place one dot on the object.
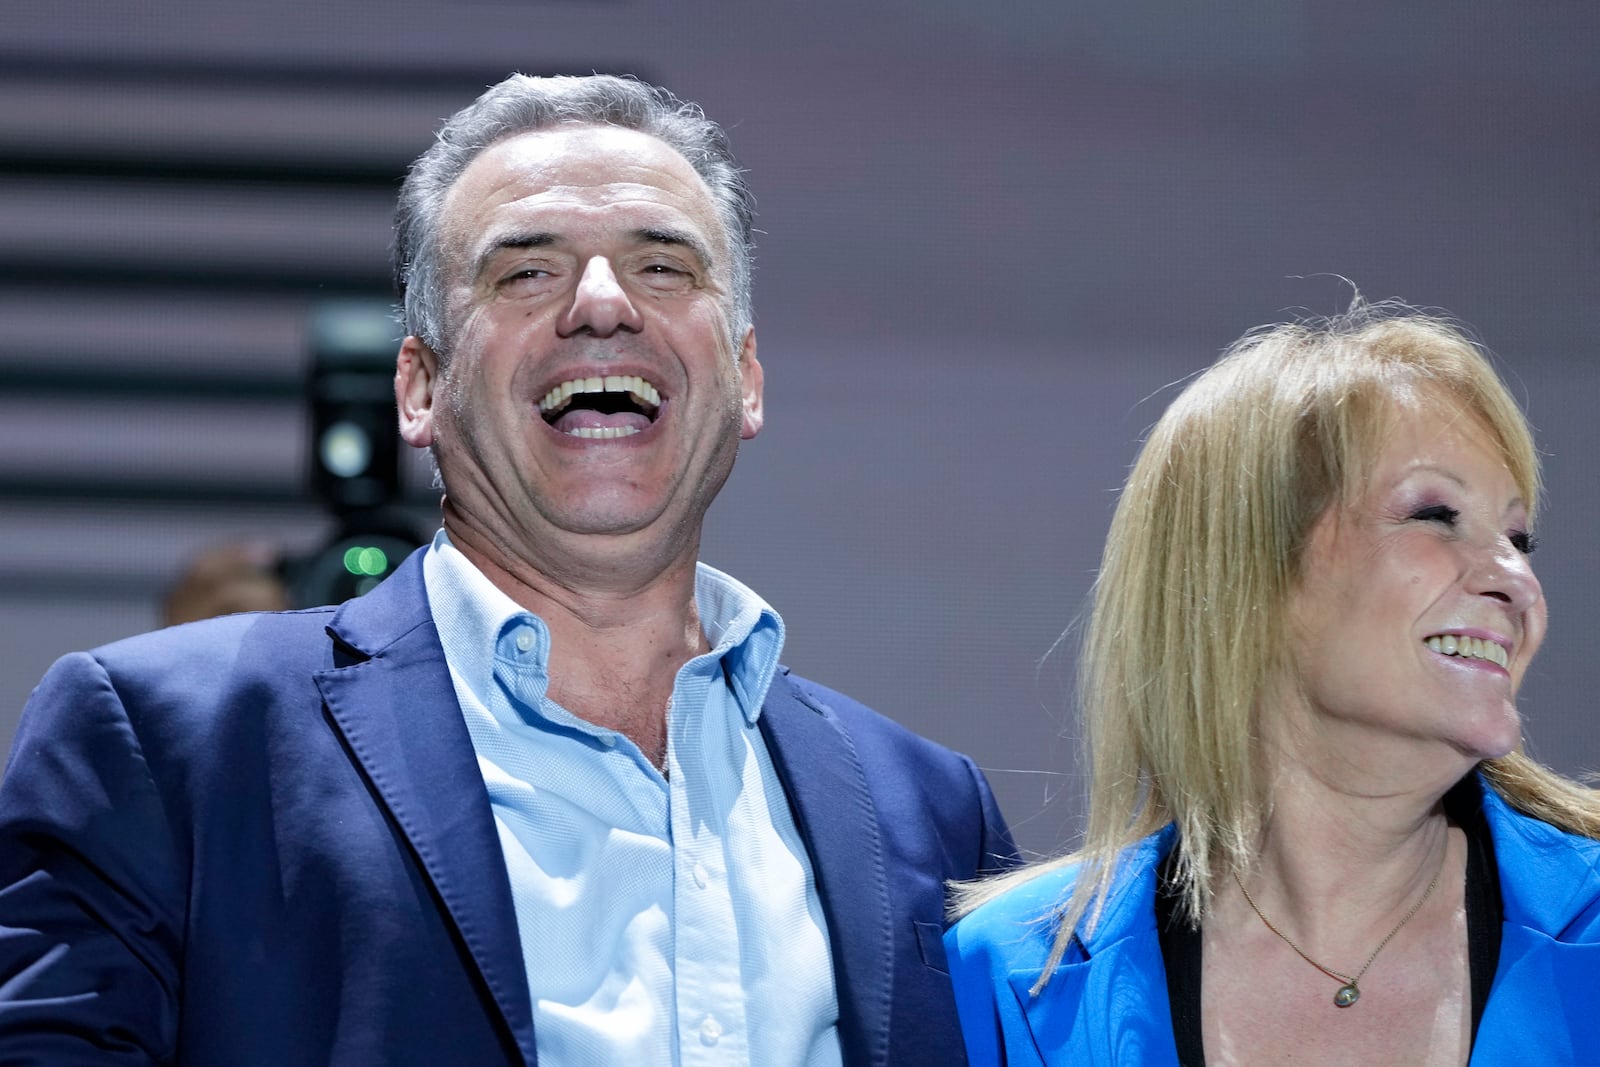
(709, 992)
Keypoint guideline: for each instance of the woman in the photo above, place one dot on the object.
(1312, 836)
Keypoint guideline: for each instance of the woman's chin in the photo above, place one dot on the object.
(1497, 735)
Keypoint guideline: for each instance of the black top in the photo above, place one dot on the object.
(1181, 946)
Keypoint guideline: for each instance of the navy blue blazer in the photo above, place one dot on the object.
(1106, 1002)
(265, 839)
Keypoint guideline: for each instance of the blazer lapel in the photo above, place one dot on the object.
(395, 705)
(1111, 1005)
(833, 810)
(1542, 1005)
(1107, 1010)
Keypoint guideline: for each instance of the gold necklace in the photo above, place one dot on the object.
(1350, 991)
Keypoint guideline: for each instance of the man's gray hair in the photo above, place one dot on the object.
(523, 104)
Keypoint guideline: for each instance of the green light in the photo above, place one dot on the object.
(364, 560)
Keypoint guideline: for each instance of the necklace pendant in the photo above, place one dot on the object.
(1348, 994)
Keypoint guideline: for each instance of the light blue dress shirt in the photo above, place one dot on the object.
(664, 920)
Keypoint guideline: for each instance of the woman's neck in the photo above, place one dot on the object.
(1355, 828)
(1333, 863)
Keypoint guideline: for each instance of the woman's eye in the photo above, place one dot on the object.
(1437, 513)
(1524, 542)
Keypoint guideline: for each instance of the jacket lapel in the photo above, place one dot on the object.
(1107, 1010)
(1542, 1005)
(1107, 1002)
(833, 810)
(394, 703)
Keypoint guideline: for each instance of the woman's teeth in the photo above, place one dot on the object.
(1468, 647)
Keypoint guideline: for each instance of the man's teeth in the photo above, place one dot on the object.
(603, 431)
(642, 391)
(1469, 647)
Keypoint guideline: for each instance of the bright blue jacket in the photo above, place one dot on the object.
(1107, 1001)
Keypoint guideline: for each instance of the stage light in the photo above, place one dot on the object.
(345, 450)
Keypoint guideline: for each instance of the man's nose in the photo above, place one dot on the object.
(600, 306)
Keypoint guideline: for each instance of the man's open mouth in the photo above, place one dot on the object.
(617, 405)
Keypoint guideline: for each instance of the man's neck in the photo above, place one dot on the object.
(616, 641)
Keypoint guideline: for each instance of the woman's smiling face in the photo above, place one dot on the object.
(1417, 611)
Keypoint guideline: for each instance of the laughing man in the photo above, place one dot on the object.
(545, 795)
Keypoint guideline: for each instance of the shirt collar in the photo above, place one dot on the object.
(471, 613)
(468, 609)
(744, 632)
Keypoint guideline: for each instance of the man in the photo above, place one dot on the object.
(545, 794)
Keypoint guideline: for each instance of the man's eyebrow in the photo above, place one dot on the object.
(683, 238)
(511, 241)
(663, 235)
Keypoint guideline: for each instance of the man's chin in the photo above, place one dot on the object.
(613, 519)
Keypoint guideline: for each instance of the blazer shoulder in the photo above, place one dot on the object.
(1015, 929)
(221, 635)
(924, 793)
(891, 752)
(865, 725)
(176, 688)
(1549, 878)
(1034, 896)
(995, 954)
(250, 647)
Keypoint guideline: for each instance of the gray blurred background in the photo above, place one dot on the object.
(993, 235)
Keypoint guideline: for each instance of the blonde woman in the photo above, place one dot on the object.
(1312, 836)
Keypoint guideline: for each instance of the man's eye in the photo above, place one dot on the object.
(1524, 542)
(668, 277)
(525, 275)
(1437, 513)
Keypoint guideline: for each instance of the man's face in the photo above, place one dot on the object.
(590, 388)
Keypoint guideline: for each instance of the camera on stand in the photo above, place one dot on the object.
(354, 454)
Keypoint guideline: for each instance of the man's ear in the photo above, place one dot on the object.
(416, 372)
(750, 387)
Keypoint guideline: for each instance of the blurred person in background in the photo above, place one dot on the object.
(1313, 834)
(226, 579)
(545, 794)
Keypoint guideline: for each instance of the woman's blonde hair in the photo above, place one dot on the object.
(1190, 621)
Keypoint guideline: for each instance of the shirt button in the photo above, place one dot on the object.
(700, 875)
(710, 1031)
(524, 640)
